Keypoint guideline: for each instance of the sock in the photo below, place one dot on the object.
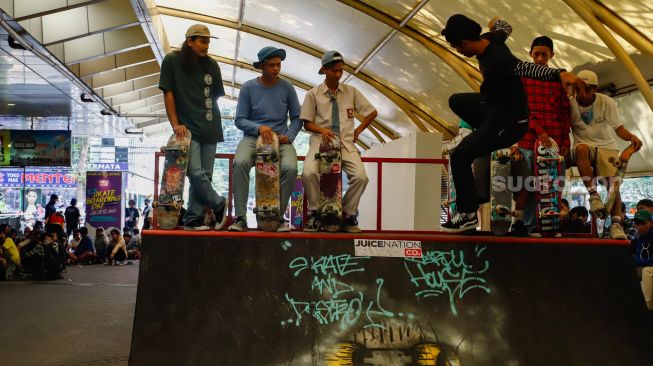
(592, 191)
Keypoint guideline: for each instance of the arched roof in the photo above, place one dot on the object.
(393, 49)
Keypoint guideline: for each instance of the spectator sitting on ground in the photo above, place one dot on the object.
(9, 256)
(629, 225)
(642, 253)
(38, 225)
(26, 234)
(126, 230)
(645, 204)
(564, 214)
(101, 245)
(77, 237)
(133, 246)
(117, 248)
(84, 251)
(578, 220)
(33, 255)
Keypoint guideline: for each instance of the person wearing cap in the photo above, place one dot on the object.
(548, 121)
(499, 113)
(643, 253)
(593, 115)
(192, 83)
(328, 111)
(264, 106)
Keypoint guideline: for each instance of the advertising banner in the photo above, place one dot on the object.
(37, 178)
(35, 147)
(104, 199)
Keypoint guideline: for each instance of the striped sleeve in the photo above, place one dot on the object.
(537, 72)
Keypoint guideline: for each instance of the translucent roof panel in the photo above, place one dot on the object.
(226, 9)
(176, 28)
(388, 112)
(313, 23)
(227, 72)
(575, 42)
(398, 9)
(298, 65)
(638, 13)
(417, 74)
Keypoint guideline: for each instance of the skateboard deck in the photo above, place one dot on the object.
(548, 167)
(168, 205)
(622, 165)
(267, 184)
(447, 149)
(329, 159)
(500, 196)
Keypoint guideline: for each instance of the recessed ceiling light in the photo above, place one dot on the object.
(11, 104)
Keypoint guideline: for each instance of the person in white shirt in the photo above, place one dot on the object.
(592, 117)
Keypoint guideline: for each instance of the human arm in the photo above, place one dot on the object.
(363, 107)
(167, 85)
(325, 132)
(364, 124)
(565, 122)
(294, 110)
(243, 112)
(626, 135)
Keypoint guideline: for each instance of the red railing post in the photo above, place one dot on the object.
(379, 194)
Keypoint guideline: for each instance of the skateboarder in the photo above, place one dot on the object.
(549, 121)
(192, 83)
(328, 111)
(264, 105)
(499, 112)
(592, 117)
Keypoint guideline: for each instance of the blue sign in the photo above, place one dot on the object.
(108, 167)
(37, 178)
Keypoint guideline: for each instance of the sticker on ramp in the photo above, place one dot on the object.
(387, 248)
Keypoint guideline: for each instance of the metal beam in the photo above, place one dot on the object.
(122, 75)
(409, 107)
(582, 8)
(118, 61)
(469, 73)
(620, 26)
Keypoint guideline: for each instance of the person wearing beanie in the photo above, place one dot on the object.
(191, 82)
(548, 121)
(499, 113)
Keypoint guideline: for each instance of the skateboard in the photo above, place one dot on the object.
(622, 165)
(330, 160)
(267, 184)
(500, 196)
(171, 191)
(548, 167)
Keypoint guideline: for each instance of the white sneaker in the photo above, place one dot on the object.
(220, 219)
(596, 206)
(283, 227)
(197, 228)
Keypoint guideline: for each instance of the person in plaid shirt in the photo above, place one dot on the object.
(549, 119)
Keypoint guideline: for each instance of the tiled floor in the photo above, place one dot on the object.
(84, 319)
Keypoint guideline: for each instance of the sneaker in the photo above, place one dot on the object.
(519, 229)
(239, 225)
(195, 226)
(461, 222)
(535, 234)
(596, 206)
(312, 224)
(220, 218)
(350, 224)
(284, 227)
(616, 231)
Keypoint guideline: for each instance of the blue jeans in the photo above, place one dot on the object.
(201, 159)
(243, 163)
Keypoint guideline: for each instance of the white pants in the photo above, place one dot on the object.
(353, 167)
(647, 285)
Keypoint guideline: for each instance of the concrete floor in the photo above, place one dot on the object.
(84, 319)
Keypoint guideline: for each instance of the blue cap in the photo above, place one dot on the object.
(329, 57)
(267, 52)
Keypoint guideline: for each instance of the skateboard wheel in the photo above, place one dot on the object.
(176, 205)
(155, 204)
(184, 149)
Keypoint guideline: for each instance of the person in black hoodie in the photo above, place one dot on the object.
(499, 113)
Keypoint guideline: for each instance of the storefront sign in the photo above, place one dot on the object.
(108, 167)
(36, 178)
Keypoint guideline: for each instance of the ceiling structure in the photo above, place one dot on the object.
(393, 51)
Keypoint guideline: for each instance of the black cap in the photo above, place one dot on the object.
(542, 41)
(460, 28)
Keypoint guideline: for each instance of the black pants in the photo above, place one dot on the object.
(493, 131)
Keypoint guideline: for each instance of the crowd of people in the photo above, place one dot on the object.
(44, 250)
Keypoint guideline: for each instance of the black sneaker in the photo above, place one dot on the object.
(312, 223)
(461, 222)
(196, 226)
(350, 224)
(519, 229)
(220, 218)
(239, 225)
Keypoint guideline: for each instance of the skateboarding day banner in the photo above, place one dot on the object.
(104, 199)
(35, 148)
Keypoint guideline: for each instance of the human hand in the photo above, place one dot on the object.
(266, 134)
(636, 142)
(283, 139)
(180, 131)
(493, 22)
(328, 134)
(546, 140)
